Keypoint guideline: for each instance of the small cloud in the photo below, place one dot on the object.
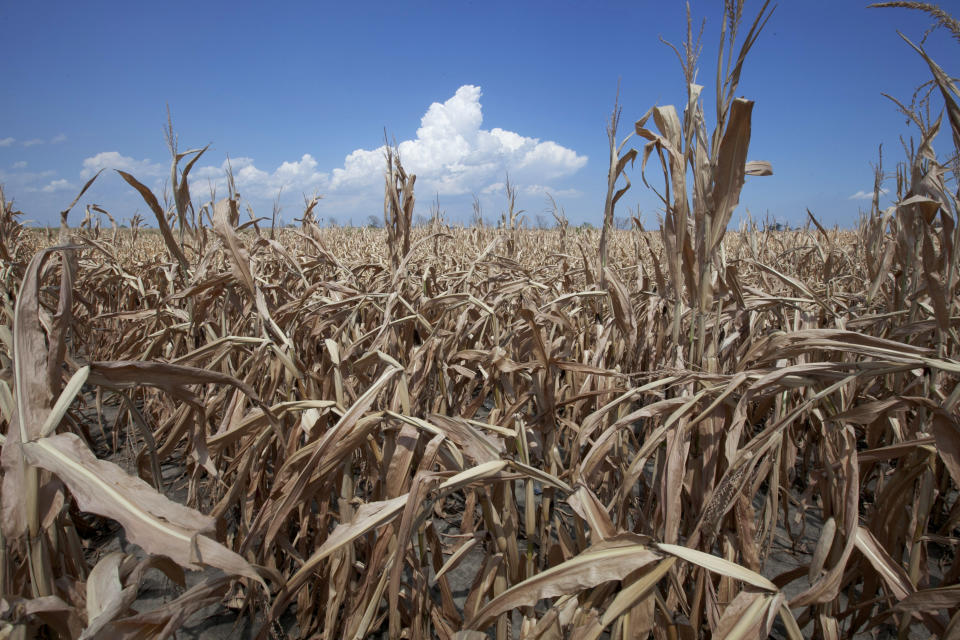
(33, 142)
(539, 189)
(59, 138)
(866, 195)
(57, 185)
(6, 142)
(114, 160)
(21, 181)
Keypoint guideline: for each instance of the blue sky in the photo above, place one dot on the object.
(297, 95)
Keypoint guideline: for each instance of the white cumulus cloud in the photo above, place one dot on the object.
(33, 142)
(866, 195)
(58, 138)
(57, 185)
(453, 155)
(140, 169)
(299, 176)
(541, 190)
(6, 142)
(24, 181)
(20, 164)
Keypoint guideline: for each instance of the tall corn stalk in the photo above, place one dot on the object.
(10, 230)
(618, 163)
(512, 220)
(398, 201)
(696, 215)
(179, 182)
(561, 223)
(925, 240)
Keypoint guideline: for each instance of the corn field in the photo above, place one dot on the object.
(471, 432)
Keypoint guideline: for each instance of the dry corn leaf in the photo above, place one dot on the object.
(747, 616)
(718, 565)
(173, 246)
(151, 520)
(612, 559)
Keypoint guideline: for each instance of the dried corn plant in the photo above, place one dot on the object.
(397, 207)
(340, 432)
(617, 169)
